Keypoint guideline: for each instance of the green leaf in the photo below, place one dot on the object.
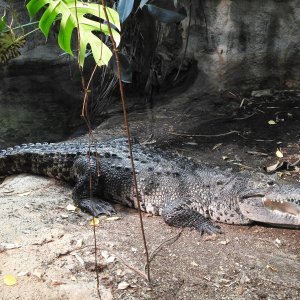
(125, 8)
(2, 24)
(143, 2)
(74, 15)
(166, 15)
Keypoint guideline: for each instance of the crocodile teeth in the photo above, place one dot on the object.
(281, 206)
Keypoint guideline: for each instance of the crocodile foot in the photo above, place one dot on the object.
(96, 207)
(207, 226)
(180, 216)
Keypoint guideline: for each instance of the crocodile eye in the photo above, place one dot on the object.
(270, 182)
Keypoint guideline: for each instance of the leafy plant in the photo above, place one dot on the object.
(2, 23)
(161, 10)
(166, 15)
(10, 44)
(87, 18)
(125, 8)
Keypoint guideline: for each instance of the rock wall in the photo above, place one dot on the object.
(40, 94)
(245, 44)
(239, 44)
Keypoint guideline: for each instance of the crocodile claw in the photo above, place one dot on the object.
(97, 207)
(177, 215)
(209, 228)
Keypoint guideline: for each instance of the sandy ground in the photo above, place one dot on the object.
(54, 258)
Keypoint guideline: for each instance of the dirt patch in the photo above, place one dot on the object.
(54, 257)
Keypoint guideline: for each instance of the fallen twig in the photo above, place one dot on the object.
(245, 118)
(257, 153)
(157, 249)
(206, 135)
(131, 267)
(243, 166)
(67, 252)
(259, 140)
(8, 246)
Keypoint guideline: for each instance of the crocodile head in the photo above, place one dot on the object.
(278, 206)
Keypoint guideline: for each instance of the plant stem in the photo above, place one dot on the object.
(115, 50)
(22, 26)
(32, 31)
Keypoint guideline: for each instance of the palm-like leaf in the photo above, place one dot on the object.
(73, 15)
(10, 46)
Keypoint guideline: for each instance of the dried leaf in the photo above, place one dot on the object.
(105, 254)
(225, 242)
(280, 174)
(81, 261)
(211, 237)
(112, 218)
(280, 166)
(243, 167)
(217, 146)
(94, 222)
(257, 153)
(262, 93)
(244, 279)
(123, 285)
(120, 272)
(56, 282)
(79, 243)
(25, 273)
(278, 242)
(273, 168)
(279, 153)
(272, 122)
(192, 143)
(271, 268)
(110, 259)
(9, 280)
(24, 194)
(71, 207)
(8, 246)
(240, 290)
(37, 273)
(8, 191)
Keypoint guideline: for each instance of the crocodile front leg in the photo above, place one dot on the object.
(84, 192)
(177, 214)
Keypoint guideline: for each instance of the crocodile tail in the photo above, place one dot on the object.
(12, 163)
(43, 159)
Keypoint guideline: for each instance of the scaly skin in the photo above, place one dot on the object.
(185, 193)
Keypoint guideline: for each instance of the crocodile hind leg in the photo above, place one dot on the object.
(179, 215)
(84, 192)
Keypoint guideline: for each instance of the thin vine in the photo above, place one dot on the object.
(126, 124)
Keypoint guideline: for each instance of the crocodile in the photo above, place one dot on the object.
(184, 192)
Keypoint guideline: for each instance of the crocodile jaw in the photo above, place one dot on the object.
(272, 210)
